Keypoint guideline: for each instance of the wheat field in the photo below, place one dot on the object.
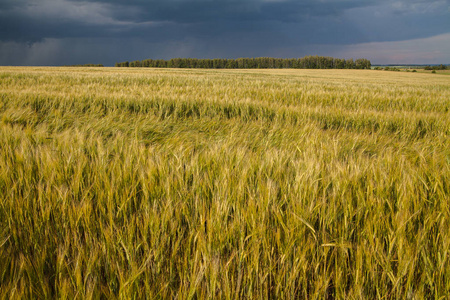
(224, 184)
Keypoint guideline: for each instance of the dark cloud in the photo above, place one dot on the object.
(194, 11)
(211, 28)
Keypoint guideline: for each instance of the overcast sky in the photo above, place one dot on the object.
(59, 32)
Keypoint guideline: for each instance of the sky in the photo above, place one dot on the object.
(66, 32)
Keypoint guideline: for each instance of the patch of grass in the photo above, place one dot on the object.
(133, 183)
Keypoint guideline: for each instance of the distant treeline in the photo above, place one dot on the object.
(307, 62)
(440, 67)
(85, 65)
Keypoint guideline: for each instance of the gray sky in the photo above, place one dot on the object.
(58, 32)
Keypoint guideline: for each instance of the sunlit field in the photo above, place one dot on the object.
(224, 184)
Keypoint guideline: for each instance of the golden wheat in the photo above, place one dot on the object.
(145, 183)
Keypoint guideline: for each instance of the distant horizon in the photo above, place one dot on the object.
(108, 65)
(412, 65)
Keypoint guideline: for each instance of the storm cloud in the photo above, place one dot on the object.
(54, 32)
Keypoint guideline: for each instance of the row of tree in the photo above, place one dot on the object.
(307, 62)
(440, 67)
